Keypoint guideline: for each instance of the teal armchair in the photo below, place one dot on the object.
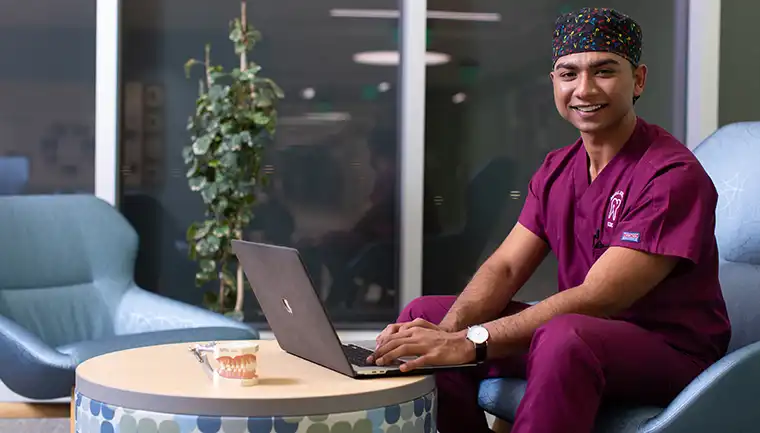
(67, 294)
(724, 398)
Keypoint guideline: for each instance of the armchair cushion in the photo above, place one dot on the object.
(501, 397)
(143, 311)
(84, 350)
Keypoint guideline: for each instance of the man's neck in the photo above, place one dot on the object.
(602, 146)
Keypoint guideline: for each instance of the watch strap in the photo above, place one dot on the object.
(481, 352)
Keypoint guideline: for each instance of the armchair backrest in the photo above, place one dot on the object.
(65, 261)
(731, 156)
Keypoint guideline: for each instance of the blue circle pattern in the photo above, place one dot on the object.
(213, 424)
(392, 413)
(419, 406)
(209, 424)
(376, 416)
(107, 411)
(259, 425)
(282, 426)
(186, 423)
(94, 407)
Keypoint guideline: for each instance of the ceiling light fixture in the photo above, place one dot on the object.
(395, 14)
(392, 58)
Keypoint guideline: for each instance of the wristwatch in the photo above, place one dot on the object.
(479, 336)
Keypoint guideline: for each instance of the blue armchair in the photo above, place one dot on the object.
(724, 398)
(67, 294)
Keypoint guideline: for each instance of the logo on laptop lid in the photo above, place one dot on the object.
(286, 304)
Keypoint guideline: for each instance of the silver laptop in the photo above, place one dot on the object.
(297, 317)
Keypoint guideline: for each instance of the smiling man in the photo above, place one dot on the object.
(630, 214)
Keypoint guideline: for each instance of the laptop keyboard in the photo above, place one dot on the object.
(357, 355)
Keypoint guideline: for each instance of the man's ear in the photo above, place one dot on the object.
(639, 80)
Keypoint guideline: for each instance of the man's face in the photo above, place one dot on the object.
(595, 90)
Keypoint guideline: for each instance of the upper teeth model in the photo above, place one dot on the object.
(237, 367)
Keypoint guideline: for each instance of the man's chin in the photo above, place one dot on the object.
(588, 127)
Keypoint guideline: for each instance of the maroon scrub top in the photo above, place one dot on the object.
(653, 196)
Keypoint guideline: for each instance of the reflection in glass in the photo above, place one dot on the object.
(333, 166)
(47, 107)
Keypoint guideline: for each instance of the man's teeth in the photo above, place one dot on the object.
(588, 108)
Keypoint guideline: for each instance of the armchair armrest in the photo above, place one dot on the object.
(722, 398)
(143, 311)
(31, 368)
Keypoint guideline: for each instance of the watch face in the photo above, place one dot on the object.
(477, 334)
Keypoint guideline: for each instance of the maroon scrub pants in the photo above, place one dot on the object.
(573, 362)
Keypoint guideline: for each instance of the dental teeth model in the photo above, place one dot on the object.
(235, 361)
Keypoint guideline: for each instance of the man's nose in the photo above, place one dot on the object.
(586, 86)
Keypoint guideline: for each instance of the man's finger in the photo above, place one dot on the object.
(393, 343)
(420, 361)
(405, 349)
(387, 332)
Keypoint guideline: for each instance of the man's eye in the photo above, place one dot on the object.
(567, 74)
(605, 72)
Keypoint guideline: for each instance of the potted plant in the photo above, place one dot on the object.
(234, 120)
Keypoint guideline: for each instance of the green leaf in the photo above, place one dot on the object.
(203, 230)
(209, 193)
(197, 183)
(210, 300)
(192, 171)
(229, 160)
(260, 118)
(217, 75)
(222, 231)
(189, 65)
(270, 84)
(187, 154)
(236, 315)
(216, 92)
(236, 34)
(201, 145)
(207, 265)
(213, 244)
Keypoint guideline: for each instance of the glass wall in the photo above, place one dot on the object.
(739, 63)
(333, 165)
(47, 97)
(491, 119)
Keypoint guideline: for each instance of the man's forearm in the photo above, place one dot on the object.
(513, 334)
(487, 294)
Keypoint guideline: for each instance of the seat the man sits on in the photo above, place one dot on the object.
(67, 294)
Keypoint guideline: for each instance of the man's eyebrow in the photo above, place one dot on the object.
(593, 65)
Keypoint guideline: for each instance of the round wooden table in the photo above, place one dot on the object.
(164, 389)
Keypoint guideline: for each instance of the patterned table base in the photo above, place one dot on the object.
(417, 416)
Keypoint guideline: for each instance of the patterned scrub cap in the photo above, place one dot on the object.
(597, 29)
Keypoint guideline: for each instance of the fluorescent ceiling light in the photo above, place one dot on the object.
(394, 14)
(391, 58)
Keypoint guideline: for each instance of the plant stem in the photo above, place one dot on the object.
(208, 65)
(244, 28)
(240, 293)
(221, 293)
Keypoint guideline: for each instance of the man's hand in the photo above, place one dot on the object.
(394, 328)
(424, 340)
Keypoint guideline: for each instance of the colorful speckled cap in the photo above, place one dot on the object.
(597, 29)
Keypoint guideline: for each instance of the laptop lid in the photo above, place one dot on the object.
(290, 304)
